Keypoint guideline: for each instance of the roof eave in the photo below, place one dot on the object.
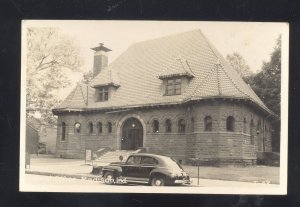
(163, 77)
(105, 84)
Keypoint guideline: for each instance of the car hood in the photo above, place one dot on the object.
(117, 163)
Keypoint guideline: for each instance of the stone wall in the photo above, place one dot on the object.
(214, 146)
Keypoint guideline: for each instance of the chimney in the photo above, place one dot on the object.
(100, 58)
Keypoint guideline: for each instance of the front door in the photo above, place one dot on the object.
(132, 134)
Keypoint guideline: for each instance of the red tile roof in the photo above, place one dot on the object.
(139, 68)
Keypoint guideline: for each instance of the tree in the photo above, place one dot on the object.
(267, 85)
(50, 56)
(240, 65)
(87, 77)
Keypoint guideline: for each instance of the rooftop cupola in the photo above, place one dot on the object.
(100, 58)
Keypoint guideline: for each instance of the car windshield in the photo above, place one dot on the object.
(172, 163)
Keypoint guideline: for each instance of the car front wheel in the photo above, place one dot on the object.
(109, 178)
(157, 181)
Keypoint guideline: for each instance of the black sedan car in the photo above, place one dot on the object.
(155, 170)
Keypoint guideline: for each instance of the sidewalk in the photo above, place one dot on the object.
(75, 168)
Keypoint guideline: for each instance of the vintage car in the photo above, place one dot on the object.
(155, 170)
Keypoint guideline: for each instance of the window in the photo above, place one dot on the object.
(102, 94)
(99, 127)
(77, 128)
(181, 126)
(168, 125)
(230, 124)
(245, 126)
(208, 124)
(252, 131)
(149, 161)
(258, 127)
(192, 124)
(91, 128)
(134, 160)
(109, 127)
(63, 131)
(173, 87)
(155, 126)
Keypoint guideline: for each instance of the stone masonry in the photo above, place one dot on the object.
(194, 145)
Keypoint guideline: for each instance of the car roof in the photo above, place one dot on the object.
(161, 157)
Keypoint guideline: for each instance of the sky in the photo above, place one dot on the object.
(254, 41)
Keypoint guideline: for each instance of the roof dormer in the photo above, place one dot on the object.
(175, 77)
(105, 84)
(177, 68)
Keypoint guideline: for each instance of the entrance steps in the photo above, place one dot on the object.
(113, 156)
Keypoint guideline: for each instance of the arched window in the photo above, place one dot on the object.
(63, 131)
(252, 131)
(168, 125)
(208, 124)
(192, 125)
(109, 127)
(99, 127)
(258, 127)
(245, 126)
(230, 124)
(155, 126)
(181, 126)
(90, 128)
(77, 128)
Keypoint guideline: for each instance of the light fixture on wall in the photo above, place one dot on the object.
(133, 125)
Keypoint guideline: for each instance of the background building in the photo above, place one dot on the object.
(45, 138)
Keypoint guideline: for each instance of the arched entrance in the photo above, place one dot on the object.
(132, 134)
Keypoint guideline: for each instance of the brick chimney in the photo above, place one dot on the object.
(100, 58)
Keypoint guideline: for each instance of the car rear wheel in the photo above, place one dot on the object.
(157, 181)
(109, 178)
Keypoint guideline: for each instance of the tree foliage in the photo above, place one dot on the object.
(87, 77)
(240, 65)
(267, 82)
(267, 85)
(50, 55)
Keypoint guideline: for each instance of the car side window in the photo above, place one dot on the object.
(149, 161)
(134, 160)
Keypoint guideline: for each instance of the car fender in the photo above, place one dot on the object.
(117, 170)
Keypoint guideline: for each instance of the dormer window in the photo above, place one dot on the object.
(173, 86)
(102, 94)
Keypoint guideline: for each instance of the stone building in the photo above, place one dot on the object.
(174, 95)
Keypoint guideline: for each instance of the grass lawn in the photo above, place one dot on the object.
(247, 174)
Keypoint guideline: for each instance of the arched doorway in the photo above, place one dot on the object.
(132, 134)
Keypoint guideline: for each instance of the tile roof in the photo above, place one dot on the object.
(139, 68)
(107, 77)
(178, 67)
